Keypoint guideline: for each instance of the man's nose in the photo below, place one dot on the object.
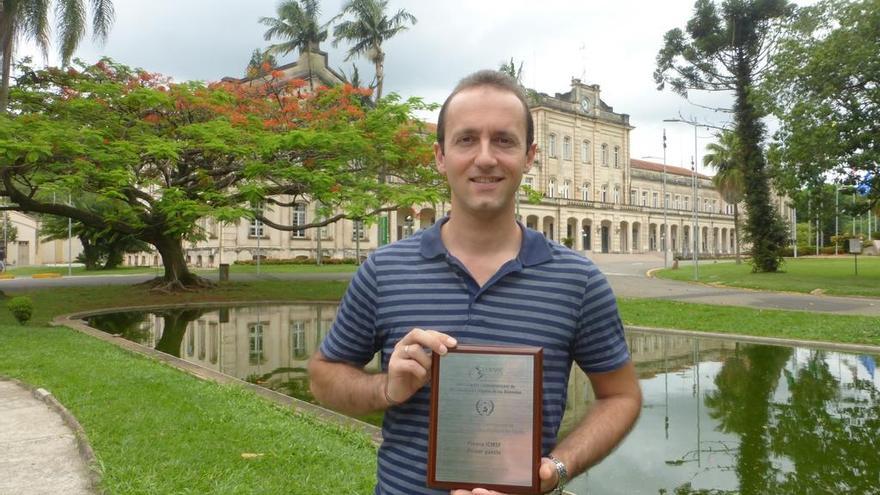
(485, 154)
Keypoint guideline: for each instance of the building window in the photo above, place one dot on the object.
(551, 145)
(530, 181)
(604, 155)
(585, 191)
(706, 206)
(715, 206)
(666, 201)
(655, 199)
(617, 157)
(677, 202)
(298, 217)
(566, 189)
(358, 231)
(551, 189)
(257, 229)
(255, 343)
(585, 151)
(616, 195)
(298, 339)
(644, 198)
(604, 193)
(566, 148)
(687, 201)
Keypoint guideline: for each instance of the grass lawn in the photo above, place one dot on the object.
(832, 275)
(155, 429)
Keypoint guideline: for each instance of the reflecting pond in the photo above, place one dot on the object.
(719, 416)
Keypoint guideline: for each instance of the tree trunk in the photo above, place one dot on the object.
(736, 233)
(91, 253)
(6, 73)
(380, 71)
(177, 276)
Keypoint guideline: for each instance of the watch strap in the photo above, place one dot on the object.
(561, 475)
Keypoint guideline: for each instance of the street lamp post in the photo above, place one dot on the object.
(696, 234)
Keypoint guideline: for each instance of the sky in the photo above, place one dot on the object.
(612, 43)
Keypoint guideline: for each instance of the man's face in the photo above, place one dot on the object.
(485, 152)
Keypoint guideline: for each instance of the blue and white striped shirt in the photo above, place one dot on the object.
(549, 296)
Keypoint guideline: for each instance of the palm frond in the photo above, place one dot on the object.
(103, 15)
(71, 15)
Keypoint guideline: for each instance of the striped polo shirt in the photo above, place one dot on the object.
(549, 297)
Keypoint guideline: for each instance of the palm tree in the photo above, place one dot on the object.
(297, 23)
(368, 29)
(29, 19)
(729, 178)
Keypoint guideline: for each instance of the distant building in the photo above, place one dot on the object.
(596, 198)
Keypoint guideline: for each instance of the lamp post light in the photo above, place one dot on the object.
(696, 234)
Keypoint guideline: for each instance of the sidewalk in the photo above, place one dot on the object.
(39, 452)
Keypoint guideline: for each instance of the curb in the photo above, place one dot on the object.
(74, 322)
(813, 344)
(46, 275)
(83, 446)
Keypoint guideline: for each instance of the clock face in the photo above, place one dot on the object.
(585, 104)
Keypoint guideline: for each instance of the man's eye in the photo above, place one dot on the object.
(505, 141)
(465, 139)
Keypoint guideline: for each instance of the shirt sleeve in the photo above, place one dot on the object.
(352, 337)
(600, 345)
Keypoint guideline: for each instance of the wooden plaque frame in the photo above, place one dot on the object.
(537, 419)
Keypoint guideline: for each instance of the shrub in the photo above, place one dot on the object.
(21, 307)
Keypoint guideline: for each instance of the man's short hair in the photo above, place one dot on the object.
(494, 79)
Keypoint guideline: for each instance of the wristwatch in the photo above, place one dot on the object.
(561, 474)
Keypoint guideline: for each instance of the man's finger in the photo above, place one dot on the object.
(430, 339)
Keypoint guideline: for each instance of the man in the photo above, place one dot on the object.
(478, 277)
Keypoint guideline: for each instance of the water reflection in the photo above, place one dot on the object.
(719, 416)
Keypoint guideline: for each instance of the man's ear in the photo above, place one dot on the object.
(439, 159)
(530, 157)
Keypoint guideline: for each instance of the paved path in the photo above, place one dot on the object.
(627, 274)
(38, 450)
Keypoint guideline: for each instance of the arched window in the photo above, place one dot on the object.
(604, 194)
(604, 155)
(551, 145)
(617, 157)
(585, 191)
(585, 151)
(566, 148)
(566, 189)
(616, 194)
(551, 189)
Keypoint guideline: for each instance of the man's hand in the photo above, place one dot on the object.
(409, 367)
(547, 473)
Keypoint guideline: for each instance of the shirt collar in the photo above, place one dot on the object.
(535, 248)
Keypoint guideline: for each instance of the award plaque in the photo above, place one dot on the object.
(485, 429)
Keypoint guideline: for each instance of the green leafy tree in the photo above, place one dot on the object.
(729, 178)
(260, 64)
(297, 23)
(727, 49)
(103, 249)
(826, 95)
(512, 70)
(154, 157)
(368, 28)
(29, 19)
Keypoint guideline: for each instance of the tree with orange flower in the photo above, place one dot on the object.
(153, 156)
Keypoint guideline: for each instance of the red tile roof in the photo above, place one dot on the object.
(670, 169)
